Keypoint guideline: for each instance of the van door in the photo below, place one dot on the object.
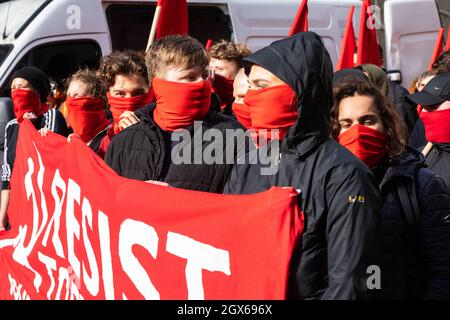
(411, 28)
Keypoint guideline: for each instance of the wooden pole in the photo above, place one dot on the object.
(151, 36)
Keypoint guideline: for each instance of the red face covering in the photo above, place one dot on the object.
(368, 144)
(242, 113)
(178, 105)
(86, 116)
(437, 125)
(223, 87)
(27, 101)
(119, 105)
(272, 108)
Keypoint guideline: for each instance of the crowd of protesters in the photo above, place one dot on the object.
(370, 161)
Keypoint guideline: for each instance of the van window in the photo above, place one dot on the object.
(59, 60)
(14, 15)
(4, 50)
(129, 24)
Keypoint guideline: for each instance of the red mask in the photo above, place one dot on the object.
(272, 108)
(178, 105)
(437, 125)
(27, 101)
(242, 114)
(86, 116)
(223, 87)
(119, 105)
(368, 144)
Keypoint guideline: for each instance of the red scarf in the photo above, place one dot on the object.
(223, 87)
(242, 114)
(86, 116)
(368, 144)
(119, 105)
(272, 108)
(437, 125)
(27, 101)
(178, 105)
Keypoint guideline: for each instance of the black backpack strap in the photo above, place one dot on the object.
(408, 200)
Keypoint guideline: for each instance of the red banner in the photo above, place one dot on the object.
(80, 231)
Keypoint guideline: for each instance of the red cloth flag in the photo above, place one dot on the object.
(209, 44)
(81, 231)
(348, 44)
(438, 47)
(447, 47)
(300, 23)
(173, 18)
(368, 51)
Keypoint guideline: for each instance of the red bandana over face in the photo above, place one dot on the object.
(223, 87)
(437, 125)
(272, 108)
(27, 101)
(119, 105)
(242, 113)
(86, 116)
(368, 144)
(178, 105)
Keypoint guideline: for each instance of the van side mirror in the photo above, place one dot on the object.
(395, 76)
(6, 115)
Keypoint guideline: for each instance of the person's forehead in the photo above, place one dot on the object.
(257, 71)
(129, 81)
(356, 106)
(182, 70)
(20, 81)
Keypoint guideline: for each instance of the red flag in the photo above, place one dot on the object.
(209, 44)
(300, 23)
(79, 230)
(348, 45)
(447, 47)
(438, 47)
(173, 18)
(368, 51)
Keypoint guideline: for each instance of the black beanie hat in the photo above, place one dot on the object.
(36, 78)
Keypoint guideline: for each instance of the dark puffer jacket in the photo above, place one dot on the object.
(415, 266)
(143, 152)
(339, 195)
(438, 160)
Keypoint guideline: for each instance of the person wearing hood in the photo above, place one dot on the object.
(290, 90)
(435, 116)
(414, 237)
(180, 122)
(30, 88)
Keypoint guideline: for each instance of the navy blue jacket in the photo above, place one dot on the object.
(415, 267)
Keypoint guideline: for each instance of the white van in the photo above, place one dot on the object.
(60, 36)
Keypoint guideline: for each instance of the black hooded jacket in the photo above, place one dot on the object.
(415, 260)
(338, 193)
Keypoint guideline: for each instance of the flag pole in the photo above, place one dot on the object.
(151, 36)
(438, 47)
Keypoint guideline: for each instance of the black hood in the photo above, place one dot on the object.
(303, 63)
